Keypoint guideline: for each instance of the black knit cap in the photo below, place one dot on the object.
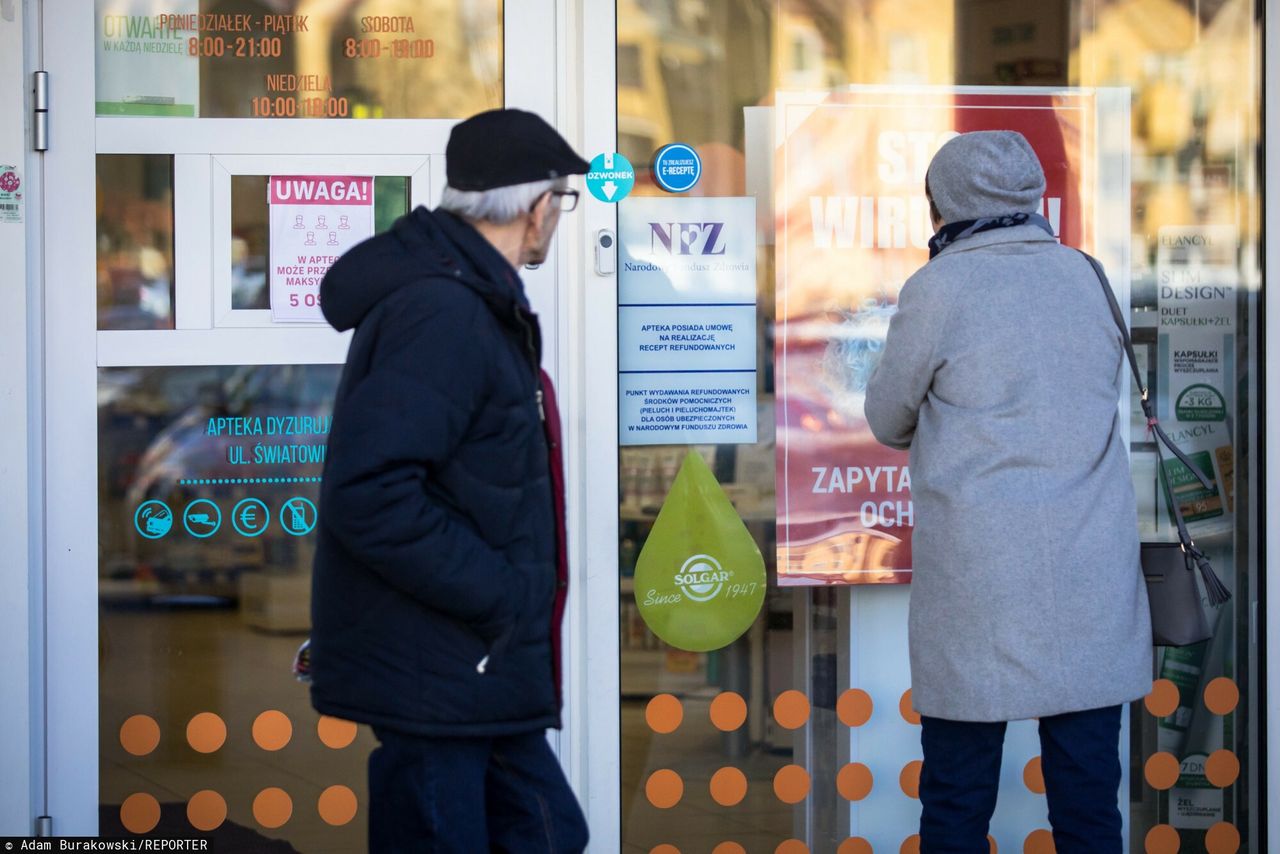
(500, 148)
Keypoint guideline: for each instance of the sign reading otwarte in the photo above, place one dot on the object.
(852, 224)
(314, 219)
(143, 61)
(700, 580)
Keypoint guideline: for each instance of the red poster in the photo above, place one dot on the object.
(852, 225)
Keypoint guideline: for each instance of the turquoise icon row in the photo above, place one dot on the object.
(202, 518)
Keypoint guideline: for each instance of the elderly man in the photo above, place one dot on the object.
(440, 572)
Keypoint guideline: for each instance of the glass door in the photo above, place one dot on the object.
(742, 366)
(209, 162)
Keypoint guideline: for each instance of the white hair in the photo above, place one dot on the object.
(500, 205)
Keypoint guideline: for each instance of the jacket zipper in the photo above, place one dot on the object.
(496, 649)
(482, 665)
(532, 352)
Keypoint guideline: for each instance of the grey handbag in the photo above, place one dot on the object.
(1177, 615)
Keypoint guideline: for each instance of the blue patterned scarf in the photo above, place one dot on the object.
(953, 231)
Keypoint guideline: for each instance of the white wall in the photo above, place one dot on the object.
(16, 808)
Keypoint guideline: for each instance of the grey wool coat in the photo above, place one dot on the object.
(1002, 372)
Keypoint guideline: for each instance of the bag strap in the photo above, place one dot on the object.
(1195, 558)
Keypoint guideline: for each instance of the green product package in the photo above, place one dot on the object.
(1197, 503)
(700, 579)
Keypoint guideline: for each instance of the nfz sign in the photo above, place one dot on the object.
(687, 330)
(686, 238)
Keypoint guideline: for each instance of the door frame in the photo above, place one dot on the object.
(18, 602)
(65, 650)
(1266, 711)
(589, 112)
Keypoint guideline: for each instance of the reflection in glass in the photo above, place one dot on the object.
(357, 59)
(135, 241)
(207, 484)
(1191, 69)
(250, 232)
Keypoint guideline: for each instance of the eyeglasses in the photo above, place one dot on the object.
(566, 199)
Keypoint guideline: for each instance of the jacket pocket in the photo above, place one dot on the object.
(525, 605)
(495, 650)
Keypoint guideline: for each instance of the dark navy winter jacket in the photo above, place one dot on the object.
(435, 571)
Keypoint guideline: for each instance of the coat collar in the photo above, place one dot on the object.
(1016, 234)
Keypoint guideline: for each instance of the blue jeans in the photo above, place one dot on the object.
(1080, 757)
(470, 795)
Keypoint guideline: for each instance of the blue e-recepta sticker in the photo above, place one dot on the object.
(677, 167)
(611, 177)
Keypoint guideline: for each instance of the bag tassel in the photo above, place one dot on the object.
(1213, 587)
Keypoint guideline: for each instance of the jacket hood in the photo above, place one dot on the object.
(421, 245)
(985, 174)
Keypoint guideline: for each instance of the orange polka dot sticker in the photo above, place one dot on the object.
(664, 714)
(854, 707)
(272, 730)
(1163, 699)
(272, 808)
(664, 849)
(1221, 696)
(140, 813)
(728, 711)
(1033, 776)
(854, 782)
(792, 846)
(728, 848)
(337, 806)
(206, 810)
(1222, 768)
(1222, 838)
(335, 733)
(728, 787)
(140, 735)
(855, 845)
(1162, 771)
(904, 708)
(206, 733)
(909, 779)
(791, 784)
(791, 709)
(664, 788)
(1162, 839)
(1039, 842)
(910, 845)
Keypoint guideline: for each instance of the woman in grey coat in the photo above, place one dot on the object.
(1002, 373)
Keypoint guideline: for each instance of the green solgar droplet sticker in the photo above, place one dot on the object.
(700, 578)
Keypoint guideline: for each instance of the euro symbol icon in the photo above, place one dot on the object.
(248, 517)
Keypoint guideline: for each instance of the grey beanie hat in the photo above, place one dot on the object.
(983, 174)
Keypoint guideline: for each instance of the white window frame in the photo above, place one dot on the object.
(417, 168)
